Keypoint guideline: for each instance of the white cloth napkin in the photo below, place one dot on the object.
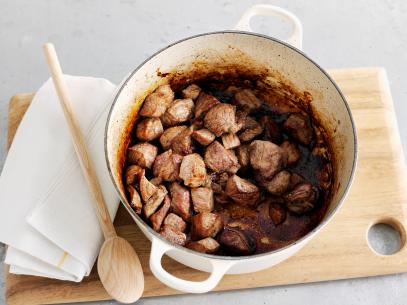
(47, 217)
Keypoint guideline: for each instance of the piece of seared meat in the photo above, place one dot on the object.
(235, 163)
(247, 99)
(296, 179)
(219, 159)
(142, 154)
(302, 198)
(204, 103)
(135, 200)
(180, 201)
(158, 217)
(167, 166)
(250, 130)
(182, 143)
(175, 237)
(221, 198)
(203, 136)
(220, 178)
(169, 134)
(179, 112)
(154, 201)
(192, 92)
(207, 245)
(193, 170)
(242, 191)
(236, 242)
(299, 127)
(133, 173)
(272, 131)
(176, 222)
(267, 158)
(147, 189)
(149, 129)
(197, 124)
(205, 224)
(277, 213)
(157, 103)
(230, 140)
(243, 156)
(218, 186)
(241, 116)
(279, 184)
(208, 181)
(221, 119)
(292, 152)
(260, 179)
(202, 199)
(156, 181)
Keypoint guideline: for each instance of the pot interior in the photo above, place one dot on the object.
(275, 64)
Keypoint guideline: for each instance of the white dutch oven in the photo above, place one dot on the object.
(216, 52)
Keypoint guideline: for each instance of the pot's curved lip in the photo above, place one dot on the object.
(247, 257)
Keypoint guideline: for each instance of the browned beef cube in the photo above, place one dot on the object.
(158, 217)
(192, 92)
(205, 224)
(149, 129)
(176, 237)
(180, 201)
(203, 136)
(221, 119)
(167, 166)
(135, 200)
(193, 170)
(142, 154)
(267, 158)
(242, 191)
(202, 199)
(236, 242)
(157, 103)
(300, 128)
(206, 245)
(180, 111)
(169, 134)
(279, 184)
(176, 222)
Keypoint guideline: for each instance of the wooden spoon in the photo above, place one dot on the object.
(118, 265)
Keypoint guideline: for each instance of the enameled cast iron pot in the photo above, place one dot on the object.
(220, 51)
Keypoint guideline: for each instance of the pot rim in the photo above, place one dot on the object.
(324, 221)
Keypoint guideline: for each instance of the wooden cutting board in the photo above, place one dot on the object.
(378, 195)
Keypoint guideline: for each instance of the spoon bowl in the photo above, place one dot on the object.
(120, 270)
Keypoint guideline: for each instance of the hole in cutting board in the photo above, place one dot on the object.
(386, 237)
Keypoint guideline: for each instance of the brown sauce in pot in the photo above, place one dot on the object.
(268, 224)
(256, 222)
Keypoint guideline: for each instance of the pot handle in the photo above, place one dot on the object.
(270, 10)
(219, 268)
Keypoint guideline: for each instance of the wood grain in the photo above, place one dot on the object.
(339, 251)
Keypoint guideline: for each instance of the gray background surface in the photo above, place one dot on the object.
(109, 38)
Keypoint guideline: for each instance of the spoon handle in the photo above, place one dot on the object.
(79, 142)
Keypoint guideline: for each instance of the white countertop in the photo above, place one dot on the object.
(109, 38)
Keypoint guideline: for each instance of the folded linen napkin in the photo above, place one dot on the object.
(47, 216)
